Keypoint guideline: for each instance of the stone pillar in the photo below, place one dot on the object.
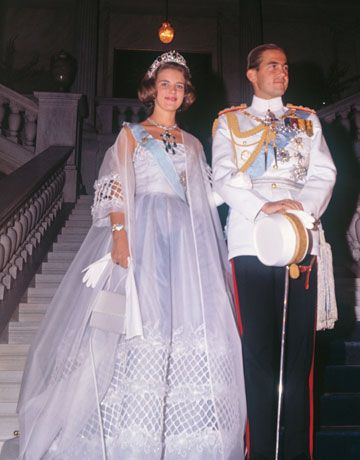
(250, 35)
(87, 50)
(60, 123)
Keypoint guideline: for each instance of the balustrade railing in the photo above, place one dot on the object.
(112, 112)
(345, 114)
(18, 118)
(30, 200)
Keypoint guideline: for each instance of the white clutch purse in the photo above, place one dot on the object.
(112, 311)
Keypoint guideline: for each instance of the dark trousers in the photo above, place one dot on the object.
(260, 292)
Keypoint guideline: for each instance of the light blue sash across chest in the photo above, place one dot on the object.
(160, 155)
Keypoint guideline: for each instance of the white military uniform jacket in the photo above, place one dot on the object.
(300, 167)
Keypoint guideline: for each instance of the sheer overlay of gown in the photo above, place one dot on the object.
(176, 393)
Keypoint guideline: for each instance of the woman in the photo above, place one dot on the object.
(176, 390)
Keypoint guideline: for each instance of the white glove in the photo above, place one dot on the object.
(307, 219)
(96, 269)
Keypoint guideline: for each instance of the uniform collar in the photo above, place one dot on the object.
(262, 105)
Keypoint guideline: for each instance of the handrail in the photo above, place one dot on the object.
(23, 101)
(345, 104)
(18, 118)
(17, 187)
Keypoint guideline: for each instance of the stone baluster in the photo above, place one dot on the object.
(26, 228)
(353, 235)
(344, 119)
(14, 122)
(30, 128)
(119, 115)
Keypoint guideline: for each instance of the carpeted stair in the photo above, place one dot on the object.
(338, 437)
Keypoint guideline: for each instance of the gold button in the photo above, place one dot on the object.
(274, 185)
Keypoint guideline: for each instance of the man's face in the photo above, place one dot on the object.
(271, 79)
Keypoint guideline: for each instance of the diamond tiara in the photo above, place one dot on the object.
(170, 56)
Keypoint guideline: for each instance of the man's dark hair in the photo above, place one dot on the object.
(255, 56)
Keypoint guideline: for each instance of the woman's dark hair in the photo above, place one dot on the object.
(147, 88)
(255, 56)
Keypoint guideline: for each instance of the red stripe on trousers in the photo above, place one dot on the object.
(311, 398)
(241, 330)
(237, 303)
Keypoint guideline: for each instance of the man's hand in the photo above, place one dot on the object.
(281, 206)
(120, 248)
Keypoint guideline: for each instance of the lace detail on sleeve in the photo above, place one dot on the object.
(108, 196)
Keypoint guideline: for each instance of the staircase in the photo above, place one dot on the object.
(338, 437)
(31, 311)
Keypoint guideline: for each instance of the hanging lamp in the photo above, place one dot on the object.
(166, 31)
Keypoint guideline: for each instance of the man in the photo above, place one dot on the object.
(269, 158)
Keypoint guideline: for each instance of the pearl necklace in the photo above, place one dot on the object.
(168, 139)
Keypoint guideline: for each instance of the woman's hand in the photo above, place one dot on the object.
(120, 248)
(281, 206)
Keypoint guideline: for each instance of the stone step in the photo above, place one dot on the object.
(71, 246)
(7, 408)
(338, 444)
(40, 293)
(13, 356)
(85, 199)
(61, 255)
(341, 352)
(76, 230)
(71, 238)
(342, 379)
(48, 278)
(31, 316)
(347, 281)
(42, 284)
(22, 331)
(340, 409)
(9, 392)
(11, 376)
(82, 217)
(54, 266)
(83, 206)
(39, 307)
(77, 224)
(8, 424)
(86, 211)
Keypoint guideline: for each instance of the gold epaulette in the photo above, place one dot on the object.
(233, 109)
(300, 107)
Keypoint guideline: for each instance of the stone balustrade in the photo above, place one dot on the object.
(33, 201)
(18, 118)
(112, 112)
(343, 119)
(23, 232)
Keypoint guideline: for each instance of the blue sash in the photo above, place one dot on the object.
(257, 169)
(163, 160)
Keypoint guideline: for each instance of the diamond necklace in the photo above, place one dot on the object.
(167, 137)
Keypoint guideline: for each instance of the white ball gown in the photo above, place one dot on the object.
(178, 391)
